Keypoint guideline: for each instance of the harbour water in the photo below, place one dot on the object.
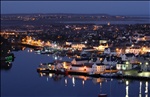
(23, 80)
(143, 21)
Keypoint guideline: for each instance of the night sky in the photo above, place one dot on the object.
(87, 7)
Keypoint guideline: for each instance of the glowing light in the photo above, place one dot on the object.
(117, 49)
(132, 45)
(41, 74)
(127, 89)
(140, 63)
(146, 95)
(66, 82)
(30, 50)
(84, 68)
(50, 75)
(83, 82)
(56, 58)
(127, 62)
(127, 83)
(73, 81)
(146, 87)
(100, 84)
(140, 87)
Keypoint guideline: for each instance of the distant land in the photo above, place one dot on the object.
(69, 18)
(87, 14)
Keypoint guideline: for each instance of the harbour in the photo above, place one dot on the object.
(70, 82)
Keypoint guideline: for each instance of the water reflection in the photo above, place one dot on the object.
(140, 95)
(66, 82)
(7, 57)
(127, 89)
(6, 65)
(75, 80)
(146, 89)
(6, 61)
(101, 85)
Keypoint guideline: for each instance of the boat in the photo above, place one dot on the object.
(102, 95)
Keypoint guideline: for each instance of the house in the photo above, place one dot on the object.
(102, 45)
(145, 66)
(77, 61)
(59, 66)
(85, 54)
(144, 62)
(111, 60)
(147, 37)
(89, 68)
(123, 57)
(79, 68)
(110, 51)
(123, 65)
(107, 51)
(66, 65)
(128, 56)
(101, 56)
(136, 50)
(98, 68)
(95, 60)
(78, 46)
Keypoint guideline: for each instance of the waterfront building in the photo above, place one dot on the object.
(78, 61)
(144, 62)
(98, 68)
(123, 65)
(81, 68)
(89, 68)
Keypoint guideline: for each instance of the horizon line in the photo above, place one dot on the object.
(78, 13)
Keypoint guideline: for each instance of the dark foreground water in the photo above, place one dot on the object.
(22, 80)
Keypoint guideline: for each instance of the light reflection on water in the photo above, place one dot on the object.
(127, 85)
(22, 80)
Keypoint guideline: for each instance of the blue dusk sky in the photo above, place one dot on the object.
(85, 7)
